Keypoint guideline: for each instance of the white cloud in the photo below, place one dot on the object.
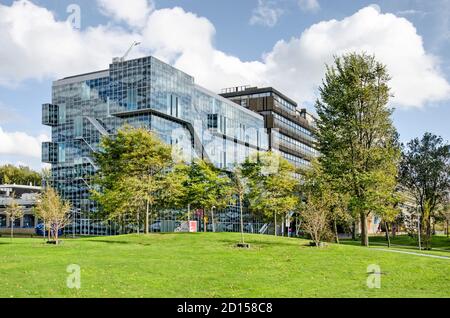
(309, 5)
(266, 13)
(35, 45)
(21, 144)
(133, 12)
(416, 78)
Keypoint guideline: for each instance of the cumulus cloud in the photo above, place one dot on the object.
(266, 13)
(21, 144)
(297, 66)
(416, 77)
(35, 45)
(133, 12)
(309, 5)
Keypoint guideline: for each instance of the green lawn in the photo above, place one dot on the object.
(208, 265)
(440, 244)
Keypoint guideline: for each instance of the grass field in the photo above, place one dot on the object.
(208, 265)
(440, 244)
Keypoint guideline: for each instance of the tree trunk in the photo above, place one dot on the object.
(364, 232)
(147, 218)
(354, 231)
(12, 229)
(429, 233)
(242, 219)
(387, 234)
(204, 221)
(137, 230)
(56, 235)
(275, 222)
(335, 230)
(447, 228)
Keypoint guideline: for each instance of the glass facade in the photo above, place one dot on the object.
(290, 129)
(146, 93)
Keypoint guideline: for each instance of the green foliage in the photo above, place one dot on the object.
(322, 204)
(355, 134)
(10, 174)
(425, 172)
(207, 186)
(136, 171)
(272, 186)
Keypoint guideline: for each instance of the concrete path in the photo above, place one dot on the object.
(411, 253)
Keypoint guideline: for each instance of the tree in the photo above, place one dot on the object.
(137, 173)
(14, 212)
(241, 188)
(272, 184)
(389, 211)
(315, 215)
(46, 177)
(10, 174)
(355, 134)
(207, 187)
(54, 212)
(444, 214)
(425, 172)
(321, 204)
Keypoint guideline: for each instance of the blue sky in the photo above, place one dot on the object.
(282, 43)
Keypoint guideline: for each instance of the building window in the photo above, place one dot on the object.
(212, 121)
(61, 153)
(16, 223)
(132, 99)
(28, 221)
(2, 220)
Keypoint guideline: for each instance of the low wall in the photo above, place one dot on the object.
(5, 231)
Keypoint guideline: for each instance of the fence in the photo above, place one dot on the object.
(166, 222)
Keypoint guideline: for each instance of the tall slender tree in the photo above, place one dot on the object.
(241, 187)
(14, 212)
(425, 172)
(54, 211)
(355, 134)
(321, 204)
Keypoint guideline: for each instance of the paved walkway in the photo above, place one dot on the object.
(408, 246)
(411, 253)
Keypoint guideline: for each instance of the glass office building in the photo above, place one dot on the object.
(290, 128)
(148, 93)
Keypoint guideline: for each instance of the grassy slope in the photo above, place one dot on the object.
(207, 265)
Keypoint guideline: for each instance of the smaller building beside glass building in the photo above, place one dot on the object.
(25, 197)
(290, 128)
